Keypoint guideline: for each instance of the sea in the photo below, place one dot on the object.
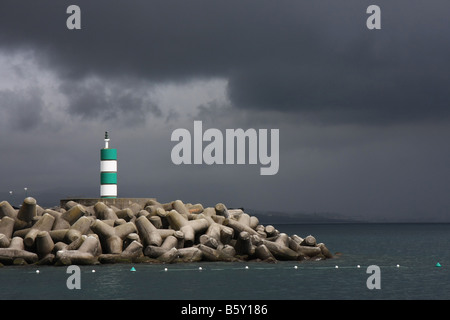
(412, 262)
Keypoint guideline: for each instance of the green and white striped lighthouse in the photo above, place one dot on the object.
(108, 171)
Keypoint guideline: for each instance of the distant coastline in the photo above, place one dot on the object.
(278, 217)
(275, 217)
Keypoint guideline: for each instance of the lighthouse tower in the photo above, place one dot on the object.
(108, 171)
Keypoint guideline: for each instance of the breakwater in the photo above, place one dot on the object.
(150, 232)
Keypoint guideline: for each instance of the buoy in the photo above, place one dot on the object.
(358, 266)
(336, 267)
(165, 269)
(200, 268)
(37, 271)
(438, 265)
(246, 267)
(93, 270)
(398, 266)
(132, 269)
(295, 267)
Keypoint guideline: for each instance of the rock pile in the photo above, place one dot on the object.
(155, 232)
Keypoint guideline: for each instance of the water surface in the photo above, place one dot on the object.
(406, 254)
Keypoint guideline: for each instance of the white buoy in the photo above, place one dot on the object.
(246, 267)
(37, 271)
(358, 266)
(93, 270)
(398, 266)
(200, 268)
(295, 267)
(336, 267)
(165, 269)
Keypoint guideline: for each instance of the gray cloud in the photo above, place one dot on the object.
(20, 110)
(93, 98)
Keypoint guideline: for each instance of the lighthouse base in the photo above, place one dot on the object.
(120, 203)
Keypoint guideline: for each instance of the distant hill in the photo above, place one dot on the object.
(273, 217)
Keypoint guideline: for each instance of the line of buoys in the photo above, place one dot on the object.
(295, 267)
(154, 232)
(246, 267)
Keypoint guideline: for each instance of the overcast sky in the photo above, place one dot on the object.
(363, 114)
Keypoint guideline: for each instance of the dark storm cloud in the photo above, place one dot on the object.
(394, 75)
(343, 95)
(162, 40)
(316, 59)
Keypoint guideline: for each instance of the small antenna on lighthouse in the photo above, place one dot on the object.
(106, 140)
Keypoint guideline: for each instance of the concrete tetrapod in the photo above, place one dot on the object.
(171, 241)
(190, 254)
(7, 226)
(83, 252)
(279, 251)
(27, 210)
(263, 253)
(60, 222)
(103, 212)
(6, 210)
(4, 241)
(243, 244)
(188, 227)
(222, 210)
(112, 237)
(44, 243)
(239, 227)
(74, 213)
(148, 232)
(154, 233)
(131, 253)
(45, 223)
(78, 228)
(16, 250)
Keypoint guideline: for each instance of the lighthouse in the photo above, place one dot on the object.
(108, 170)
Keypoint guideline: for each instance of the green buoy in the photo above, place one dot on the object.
(132, 269)
(438, 265)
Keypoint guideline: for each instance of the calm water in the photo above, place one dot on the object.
(416, 248)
